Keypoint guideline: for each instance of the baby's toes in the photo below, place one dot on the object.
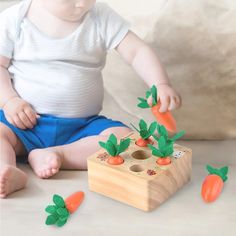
(2, 185)
(2, 190)
(47, 173)
(41, 174)
(54, 171)
(3, 195)
(2, 179)
(55, 163)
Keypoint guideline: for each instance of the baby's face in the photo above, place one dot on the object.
(69, 10)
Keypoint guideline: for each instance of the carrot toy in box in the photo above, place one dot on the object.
(145, 133)
(114, 149)
(165, 145)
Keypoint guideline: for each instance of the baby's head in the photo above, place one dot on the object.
(69, 10)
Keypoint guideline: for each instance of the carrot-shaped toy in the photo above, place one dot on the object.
(62, 209)
(163, 132)
(163, 151)
(164, 118)
(214, 183)
(145, 133)
(165, 145)
(115, 149)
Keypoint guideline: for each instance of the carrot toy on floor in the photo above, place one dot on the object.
(213, 183)
(62, 209)
(164, 118)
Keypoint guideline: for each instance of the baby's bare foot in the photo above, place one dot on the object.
(11, 180)
(45, 162)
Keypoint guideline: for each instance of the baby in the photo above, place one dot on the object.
(51, 57)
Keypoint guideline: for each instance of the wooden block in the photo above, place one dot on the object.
(139, 181)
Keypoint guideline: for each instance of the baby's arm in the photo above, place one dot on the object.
(149, 68)
(7, 92)
(17, 111)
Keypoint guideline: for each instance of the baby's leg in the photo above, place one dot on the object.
(11, 177)
(74, 155)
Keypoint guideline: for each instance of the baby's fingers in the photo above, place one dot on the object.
(178, 101)
(32, 116)
(165, 101)
(175, 102)
(18, 123)
(25, 120)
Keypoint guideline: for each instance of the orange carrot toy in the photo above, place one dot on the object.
(164, 118)
(112, 147)
(165, 145)
(213, 183)
(145, 133)
(60, 212)
(163, 151)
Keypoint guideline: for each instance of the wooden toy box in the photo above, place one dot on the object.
(139, 181)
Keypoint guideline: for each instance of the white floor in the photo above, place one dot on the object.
(185, 214)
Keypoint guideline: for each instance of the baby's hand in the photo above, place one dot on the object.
(169, 98)
(20, 114)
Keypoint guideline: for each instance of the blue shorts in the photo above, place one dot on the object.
(54, 131)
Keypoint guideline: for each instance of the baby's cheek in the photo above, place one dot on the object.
(62, 8)
(87, 4)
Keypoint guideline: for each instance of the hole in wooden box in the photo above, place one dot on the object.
(141, 155)
(136, 168)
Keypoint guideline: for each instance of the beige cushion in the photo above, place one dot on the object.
(196, 42)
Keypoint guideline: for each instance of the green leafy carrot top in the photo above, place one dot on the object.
(143, 101)
(112, 146)
(58, 212)
(164, 149)
(163, 132)
(165, 143)
(222, 172)
(145, 131)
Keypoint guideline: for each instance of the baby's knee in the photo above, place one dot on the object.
(119, 132)
(7, 135)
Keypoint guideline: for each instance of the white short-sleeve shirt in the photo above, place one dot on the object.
(60, 77)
